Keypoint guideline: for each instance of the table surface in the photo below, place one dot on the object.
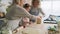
(34, 28)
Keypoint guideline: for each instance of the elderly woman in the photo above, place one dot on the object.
(35, 9)
(15, 13)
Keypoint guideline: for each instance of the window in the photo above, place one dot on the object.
(51, 7)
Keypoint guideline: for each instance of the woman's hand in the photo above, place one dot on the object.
(17, 30)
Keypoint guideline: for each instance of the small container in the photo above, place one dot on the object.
(38, 21)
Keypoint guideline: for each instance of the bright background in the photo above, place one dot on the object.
(49, 7)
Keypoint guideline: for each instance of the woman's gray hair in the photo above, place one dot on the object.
(15, 1)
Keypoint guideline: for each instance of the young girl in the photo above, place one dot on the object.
(35, 10)
(26, 20)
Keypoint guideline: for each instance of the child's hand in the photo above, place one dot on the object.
(40, 17)
(1, 14)
(25, 19)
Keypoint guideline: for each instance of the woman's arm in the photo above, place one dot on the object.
(27, 14)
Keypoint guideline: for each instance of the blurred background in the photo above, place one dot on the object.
(49, 7)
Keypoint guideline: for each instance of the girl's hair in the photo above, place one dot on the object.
(26, 5)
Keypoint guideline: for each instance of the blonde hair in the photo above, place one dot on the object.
(35, 0)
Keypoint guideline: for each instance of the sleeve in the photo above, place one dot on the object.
(27, 14)
(40, 10)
